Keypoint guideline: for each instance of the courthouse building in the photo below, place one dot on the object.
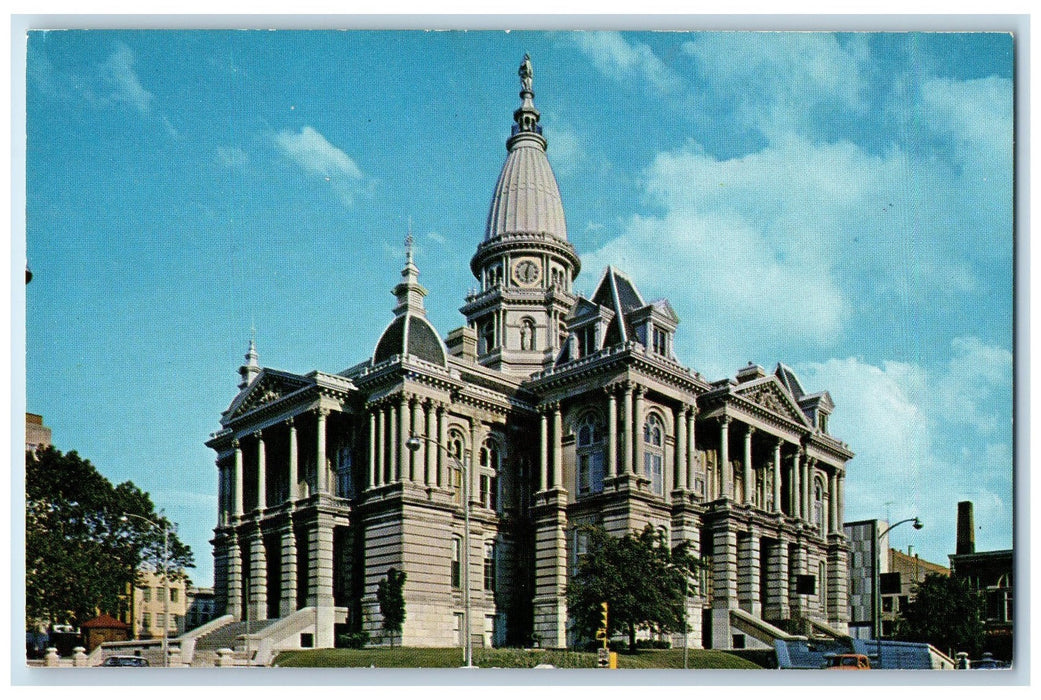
(562, 411)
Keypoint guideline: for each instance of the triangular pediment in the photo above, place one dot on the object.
(269, 386)
(771, 395)
(583, 309)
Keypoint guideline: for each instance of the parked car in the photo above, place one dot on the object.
(133, 661)
(848, 662)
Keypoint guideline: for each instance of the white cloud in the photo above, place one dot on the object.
(622, 60)
(316, 156)
(118, 72)
(976, 389)
(232, 157)
(777, 82)
(917, 454)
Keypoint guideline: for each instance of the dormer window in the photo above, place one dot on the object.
(822, 422)
(661, 342)
(586, 340)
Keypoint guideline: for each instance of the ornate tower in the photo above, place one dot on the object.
(525, 264)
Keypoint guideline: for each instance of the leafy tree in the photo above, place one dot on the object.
(391, 595)
(640, 578)
(946, 613)
(81, 552)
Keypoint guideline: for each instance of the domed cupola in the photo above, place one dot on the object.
(410, 333)
(526, 198)
(525, 264)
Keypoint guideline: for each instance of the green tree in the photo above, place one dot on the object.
(641, 579)
(391, 595)
(81, 552)
(946, 613)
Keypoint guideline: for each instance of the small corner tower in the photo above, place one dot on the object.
(525, 264)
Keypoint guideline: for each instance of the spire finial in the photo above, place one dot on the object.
(526, 74)
(408, 243)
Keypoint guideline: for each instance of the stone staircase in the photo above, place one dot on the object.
(227, 637)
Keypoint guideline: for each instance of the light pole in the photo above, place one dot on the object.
(165, 529)
(413, 443)
(876, 598)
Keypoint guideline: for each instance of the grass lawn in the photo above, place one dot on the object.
(417, 657)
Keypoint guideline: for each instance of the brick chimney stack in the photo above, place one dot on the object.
(966, 529)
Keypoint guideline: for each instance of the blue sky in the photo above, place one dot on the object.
(838, 202)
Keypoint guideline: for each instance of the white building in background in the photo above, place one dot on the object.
(564, 410)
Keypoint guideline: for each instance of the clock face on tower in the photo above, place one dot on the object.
(526, 272)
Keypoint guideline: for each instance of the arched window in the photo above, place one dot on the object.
(488, 475)
(590, 454)
(456, 448)
(489, 565)
(562, 334)
(527, 334)
(487, 335)
(457, 562)
(818, 505)
(654, 452)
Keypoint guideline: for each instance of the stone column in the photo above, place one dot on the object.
(724, 584)
(627, 429)
(294, 464)
(637, 429)
(442, 458)
(777, 580)
(777, 476)
(287, 605)
(257, 577)
(558, 449)
(321, 472)
(372, 447)
(842, 501)
(807, 490)
(475, 454)
(681, 449)
(749, 477)
(419, 456)
(237, 486)
(748, 573)
(320, 586)
(796, 566)
(726, 485)
(222, 494)
(432, 450)
(833, 503)
(404, 428)
(234, 584)
(612, 432)
(382, 477)
(393, 466)
(261, 471)
(543, 452)
(692, 446)
(796, 485)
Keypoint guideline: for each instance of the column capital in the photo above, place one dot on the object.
(725, 420)
(322, 412)
(290, 422)
(259, 435)
(749, 430)
(639, 390)
(236, 444)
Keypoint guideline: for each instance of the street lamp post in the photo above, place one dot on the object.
(413, 443)
(165, 528)
(876, 598)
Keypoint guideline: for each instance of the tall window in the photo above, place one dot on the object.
(457, 558)
(488, 482)
(822, 580)
(455, 470)
(487, 335)
(818, 506)
(344, 482)
(590, 455)
(654, 452)
(489, 566)
(586, 340)
(661, 342)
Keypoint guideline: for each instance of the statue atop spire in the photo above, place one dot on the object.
(526, 73)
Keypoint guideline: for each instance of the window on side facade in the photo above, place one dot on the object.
(654, 452)
(457, 569)
(590, 455)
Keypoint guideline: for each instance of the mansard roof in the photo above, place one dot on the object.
(618, 293)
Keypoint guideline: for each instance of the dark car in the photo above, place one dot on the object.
(125, 661)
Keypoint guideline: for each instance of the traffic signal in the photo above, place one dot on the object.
(601, 632)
